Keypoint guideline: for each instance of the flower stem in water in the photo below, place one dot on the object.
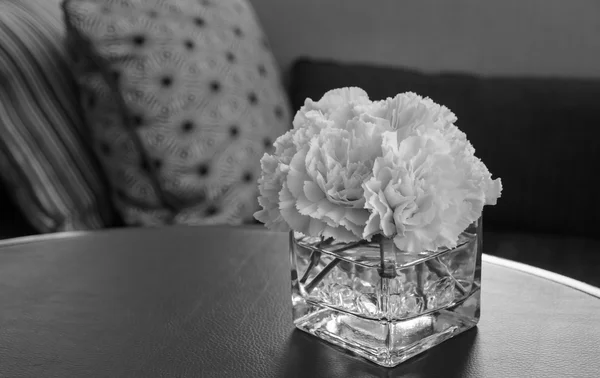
(419, 269)
(323, 273)
(439, 268)
(315, 257)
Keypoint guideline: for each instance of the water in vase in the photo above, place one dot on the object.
(382, 303)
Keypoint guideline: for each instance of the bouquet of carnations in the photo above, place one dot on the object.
(352, 168)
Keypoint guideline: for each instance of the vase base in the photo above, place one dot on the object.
(387, 343)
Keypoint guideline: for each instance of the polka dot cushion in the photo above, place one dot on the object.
(183, 98)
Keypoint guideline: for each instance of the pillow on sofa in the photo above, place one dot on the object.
(539, 135)
(45, 159)
(183, 98)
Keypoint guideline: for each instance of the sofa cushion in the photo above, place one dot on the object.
(183, 98)
(45, 159)
(539, 135)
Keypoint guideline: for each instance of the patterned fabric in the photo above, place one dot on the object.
(183, 97)
(44, 160)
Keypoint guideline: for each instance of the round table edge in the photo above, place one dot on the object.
(543, 273)
(539, 272)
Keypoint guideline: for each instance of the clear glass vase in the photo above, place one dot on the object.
(382, 303)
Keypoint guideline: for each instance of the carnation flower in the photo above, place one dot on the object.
(334, 109)
(352, 168)
(409, 112)
(323, 193)
(338, 105)
(274, 169)
(426, 190)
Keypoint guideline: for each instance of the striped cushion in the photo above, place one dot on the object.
(44, 158)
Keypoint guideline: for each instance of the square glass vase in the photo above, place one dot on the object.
(382, 303)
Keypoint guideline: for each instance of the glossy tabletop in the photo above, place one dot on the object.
(215, 302)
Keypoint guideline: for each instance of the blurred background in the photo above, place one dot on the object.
(540, 38)
(523, 77)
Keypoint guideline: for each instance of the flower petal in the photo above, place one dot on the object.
(313, 192)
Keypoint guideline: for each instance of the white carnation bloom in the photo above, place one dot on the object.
(352, 168)
(324, 182)
(426, 190)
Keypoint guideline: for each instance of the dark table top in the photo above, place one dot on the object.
(215, 302)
